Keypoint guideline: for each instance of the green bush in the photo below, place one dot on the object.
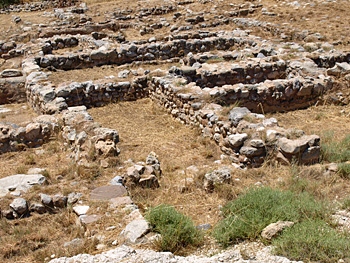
(249, 214)
(312, 240)
(176, 230)
(333, 151)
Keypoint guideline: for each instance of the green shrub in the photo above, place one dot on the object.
(176, 230)
(333, 151)
(313, 240)
(249, 214)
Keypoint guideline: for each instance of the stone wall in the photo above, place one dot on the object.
(12, 90)
(129, 53)
(59, 43)
(329, 60)
(47, 99)
(246, 137)
(36, 133)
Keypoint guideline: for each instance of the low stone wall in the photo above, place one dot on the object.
(329, 60)
(28, 7)
(246, 137)
(36, 133)
(129, 53)
(47, 99)
(245, 72)
(59, 43)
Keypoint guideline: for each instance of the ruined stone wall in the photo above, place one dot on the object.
(246, 137)
(48, 99)
(129, 53)
(12, 90)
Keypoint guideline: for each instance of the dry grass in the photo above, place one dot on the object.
(20, 114)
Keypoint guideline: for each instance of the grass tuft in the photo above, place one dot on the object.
(177, 230)
(335, 151)
(344, 170)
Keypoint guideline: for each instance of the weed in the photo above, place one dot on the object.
(225, 191)
(249, 214)
(333, 151)
(313, 240)
(30, 160)
(344, 170)
(346, 204)
(177, 230)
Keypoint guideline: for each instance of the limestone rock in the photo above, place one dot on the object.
(81, 209)
(135, 230)
(73, 197)
(20, 182)
(89, 219)
(237, 140)
(11, 73)
(120, 201)
(237, 114)
(275, 228)
(59, 201)
(216, 177)
(46, 200)
(340, 69)
(20, 206)
(37, 208)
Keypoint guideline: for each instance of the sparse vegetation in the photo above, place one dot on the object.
(249, 214)
(313, 240)
(177, 230)
(333, 150)
(344, 170)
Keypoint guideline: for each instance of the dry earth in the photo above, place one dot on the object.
(143, 126)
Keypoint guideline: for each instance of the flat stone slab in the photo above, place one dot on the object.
(10, 73)
(20, 182)
(89, 219)
(135, 229)
(81, 209)
(120, 201)
(108, 192)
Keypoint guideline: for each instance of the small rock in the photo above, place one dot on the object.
(46, 200)
(273, 229)
(81, 209)
(135, 230)
(20, 206)
(59, 201)
(37, 208)
(74, 197)
(89, 219)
